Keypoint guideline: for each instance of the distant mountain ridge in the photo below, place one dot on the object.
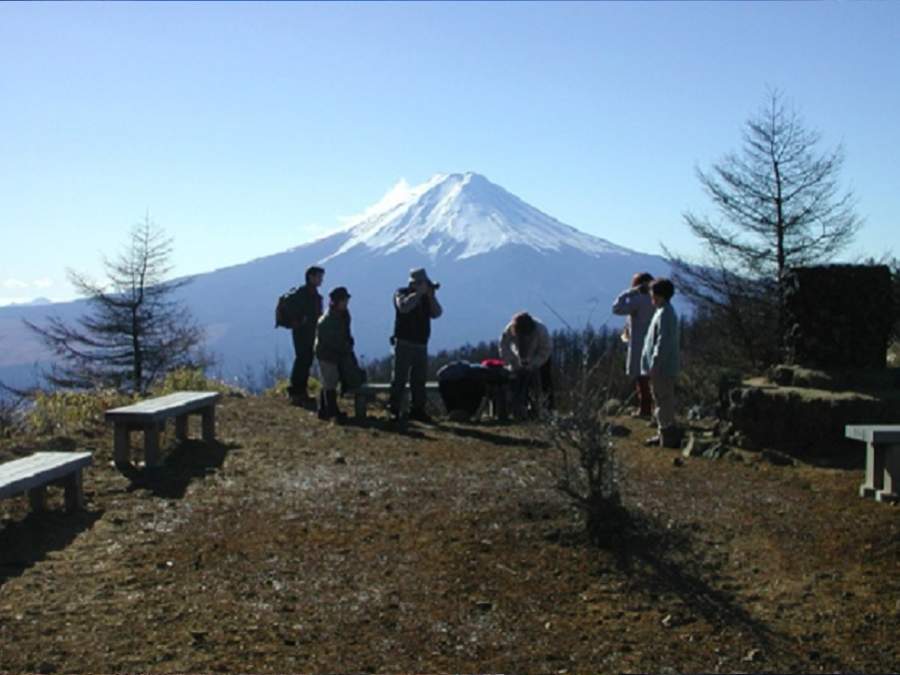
(493, 253)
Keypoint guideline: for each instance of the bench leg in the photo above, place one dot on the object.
(209, 424)
(874, 471)
(74, 491)
(890, 490)
(151, 444)
(498, 404)
(122, 445)
(37, 497)
(181, 427)
(360, 401)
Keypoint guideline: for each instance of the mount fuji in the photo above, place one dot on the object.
(493, 254)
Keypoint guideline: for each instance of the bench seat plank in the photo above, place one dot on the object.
(39, 469)
(874, 433)
(385, 387)
(163, 407)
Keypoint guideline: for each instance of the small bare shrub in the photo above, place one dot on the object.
(588, 473)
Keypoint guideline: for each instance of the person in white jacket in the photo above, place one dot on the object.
(637, 306)
(526, 347)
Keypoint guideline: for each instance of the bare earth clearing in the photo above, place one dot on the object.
(301, 547)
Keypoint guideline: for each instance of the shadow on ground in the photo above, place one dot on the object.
(29, 541)
(662, 560)
(188, 461)
(493, 438)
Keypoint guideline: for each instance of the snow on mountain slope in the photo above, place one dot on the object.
(492, 252)
(461, 216)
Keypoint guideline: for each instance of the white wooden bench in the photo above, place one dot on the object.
(882, 460)
(150, 417)
(367, 393)
(34, 473)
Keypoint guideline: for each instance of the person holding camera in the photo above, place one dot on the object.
(637, 306)
(526, 347)
(415, 306)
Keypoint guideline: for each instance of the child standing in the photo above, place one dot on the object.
(334, 346)
(660, 361)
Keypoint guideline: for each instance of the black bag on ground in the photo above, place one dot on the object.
(462, 387)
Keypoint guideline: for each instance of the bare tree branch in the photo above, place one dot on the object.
(780, 206)
(135, 330)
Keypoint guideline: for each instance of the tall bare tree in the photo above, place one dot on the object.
(778, 206)
(135, 330)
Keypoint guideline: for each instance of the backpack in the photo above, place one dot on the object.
(286, 311)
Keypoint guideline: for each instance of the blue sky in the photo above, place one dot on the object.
(249, 128)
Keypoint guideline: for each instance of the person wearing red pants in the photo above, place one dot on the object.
(635, 304)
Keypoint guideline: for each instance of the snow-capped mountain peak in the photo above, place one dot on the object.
(461, 215)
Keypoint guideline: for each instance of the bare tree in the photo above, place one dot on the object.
(135, 330)
(588, 472)
(779, 206)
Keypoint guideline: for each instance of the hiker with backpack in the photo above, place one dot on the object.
(636, 304)
(334, 349)
(526, 347)
(299, 310)
(415, 305)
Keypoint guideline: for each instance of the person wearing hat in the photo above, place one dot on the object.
(415, 306)
(334, 348)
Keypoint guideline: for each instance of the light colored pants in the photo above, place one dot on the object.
(663, 387)
(331, 374)
(410, 364)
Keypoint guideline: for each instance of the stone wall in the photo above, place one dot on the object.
(806, 422)
(838, 316)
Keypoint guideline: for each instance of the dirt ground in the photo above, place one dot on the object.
(296, 546)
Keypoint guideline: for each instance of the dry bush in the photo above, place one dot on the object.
(588, 473)
(70, 412)
(192, 379)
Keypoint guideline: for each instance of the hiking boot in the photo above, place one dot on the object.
(307, 402)
(420, 416)
(324, 411)
(396, 421)
(331, 405)
(671, 437)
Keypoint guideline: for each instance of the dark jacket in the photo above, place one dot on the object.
(306, 308)
(333, 339)
(414, 312)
